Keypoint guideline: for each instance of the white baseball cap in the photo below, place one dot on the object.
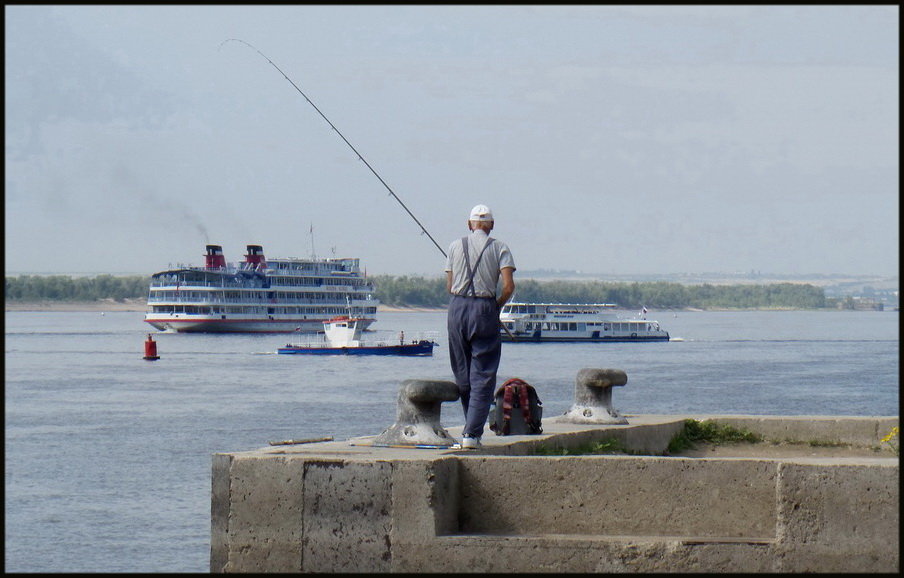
(481, 213)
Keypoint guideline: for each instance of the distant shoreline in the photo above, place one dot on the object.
(137, 305)
(101, 305)
(140, 305)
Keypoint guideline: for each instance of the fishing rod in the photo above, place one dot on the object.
(391, 192)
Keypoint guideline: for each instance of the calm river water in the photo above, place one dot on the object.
(108, 456)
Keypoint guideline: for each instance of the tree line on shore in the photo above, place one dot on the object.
(431, 292)
(66, 288)
(413, 291)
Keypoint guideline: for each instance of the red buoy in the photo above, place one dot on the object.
(150, 349)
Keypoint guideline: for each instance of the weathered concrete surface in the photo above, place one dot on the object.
(583, 554)
(838, 516)
(613, 495)
(858, 431)
(348, 507)
(347, 516)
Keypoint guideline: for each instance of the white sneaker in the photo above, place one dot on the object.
(468, 443)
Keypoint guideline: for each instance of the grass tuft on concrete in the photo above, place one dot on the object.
(606, 446)
(694, 432)
(709, 432)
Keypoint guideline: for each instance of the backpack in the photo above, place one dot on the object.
(517, 409)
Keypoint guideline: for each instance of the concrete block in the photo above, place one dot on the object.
(856, 431)
(266, 494)
(220, 506)
(585, 555)
(425, 495)
(618, 495)
(822, 506)
(347, 516)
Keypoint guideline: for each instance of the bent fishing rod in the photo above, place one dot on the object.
(391, 192)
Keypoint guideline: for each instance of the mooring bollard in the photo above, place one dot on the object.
(418, 415)
(593, 397)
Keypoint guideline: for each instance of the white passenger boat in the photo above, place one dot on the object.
(565, 322)
(259, 295)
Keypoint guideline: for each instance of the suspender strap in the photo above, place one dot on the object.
(471, 273)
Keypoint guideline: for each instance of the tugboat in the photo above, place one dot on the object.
(342, 336)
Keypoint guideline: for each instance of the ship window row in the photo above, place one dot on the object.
(552, 326)
(257, 310)
(551, 309)
(345, 265)
(242, 296)
(168, 281)
(194, 280)
(258, 283)
(568, 326)
(317, 281)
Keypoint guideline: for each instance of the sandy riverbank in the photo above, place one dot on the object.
(101, 305)
(133, 305)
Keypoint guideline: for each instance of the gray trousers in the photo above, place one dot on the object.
(475, 349)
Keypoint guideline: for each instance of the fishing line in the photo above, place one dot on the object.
(391, 192)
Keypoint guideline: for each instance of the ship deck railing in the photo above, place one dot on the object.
(355, 304)
(341, 267)
(279, 288)
(257, 286)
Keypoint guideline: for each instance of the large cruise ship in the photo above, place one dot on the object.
(259, 295)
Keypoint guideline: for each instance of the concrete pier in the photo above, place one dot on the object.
(348, 506)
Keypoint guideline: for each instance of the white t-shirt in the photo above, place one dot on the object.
(486, 278)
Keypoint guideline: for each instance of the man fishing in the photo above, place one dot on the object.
(473, 267)
(474, 342)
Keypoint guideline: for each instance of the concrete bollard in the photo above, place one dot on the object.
(418, 415)
(593, 397)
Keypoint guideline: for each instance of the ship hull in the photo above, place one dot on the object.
(184, 325)
(414, 349)
(526, 338)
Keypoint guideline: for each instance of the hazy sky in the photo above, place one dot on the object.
(606, 139)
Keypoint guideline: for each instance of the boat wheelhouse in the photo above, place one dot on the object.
(259, 295)
(566, 322)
